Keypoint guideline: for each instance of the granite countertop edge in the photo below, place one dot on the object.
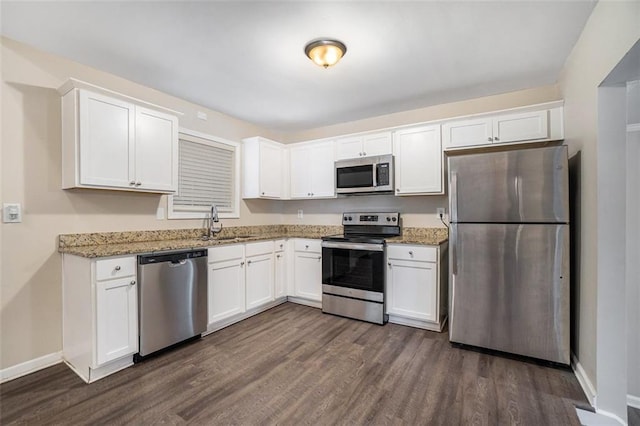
(150, 247)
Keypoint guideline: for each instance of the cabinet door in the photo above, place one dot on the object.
(377, 144)
(308, 275)
(350, 147)
(418, 161)
(300, 173)
(322, 170)
(156, 159)
(521, 127)
(116, 319)
(106, 141)
(280, 275)
(412, 289)
(270, 171)
(461, 133)
(259, 280)
(226, 289)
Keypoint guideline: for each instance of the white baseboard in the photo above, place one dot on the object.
(633, 401)
(29, 367)
(600, 418)
(587, 387)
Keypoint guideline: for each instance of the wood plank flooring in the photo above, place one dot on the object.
(294, 365)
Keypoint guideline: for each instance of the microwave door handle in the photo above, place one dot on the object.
(375, 175)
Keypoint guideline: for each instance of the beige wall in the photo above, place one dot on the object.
(30, 289)
(610, 32)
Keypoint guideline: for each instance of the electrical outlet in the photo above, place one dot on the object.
(300, 214)
(440, 212)
(11, 213)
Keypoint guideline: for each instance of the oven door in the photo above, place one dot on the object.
(353, 269)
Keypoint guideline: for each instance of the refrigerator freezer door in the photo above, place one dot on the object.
(510, 288)
(529, 185)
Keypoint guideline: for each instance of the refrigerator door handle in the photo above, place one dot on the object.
(454, 249)
(453, 209)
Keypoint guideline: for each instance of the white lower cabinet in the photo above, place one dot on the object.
(307, 266)
(280, 270)
(416, 285)
(226, 282)
(242, 281)
(100, 314)
(259, 274)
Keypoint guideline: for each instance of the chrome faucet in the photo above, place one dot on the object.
(213, 218)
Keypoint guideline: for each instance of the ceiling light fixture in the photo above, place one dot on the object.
(325, 52)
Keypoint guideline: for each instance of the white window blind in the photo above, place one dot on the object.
(206, 175)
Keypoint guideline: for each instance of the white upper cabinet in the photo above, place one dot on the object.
(264, 167)
(363, 145)
(110, 142)
(156, 150)
(528, 126)
(418, 161)
(312, 170)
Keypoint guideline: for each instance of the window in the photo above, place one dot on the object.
(208, 173)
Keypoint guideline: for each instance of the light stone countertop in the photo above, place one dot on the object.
(137, 242)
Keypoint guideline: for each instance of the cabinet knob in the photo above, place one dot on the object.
(312, 194)
(117, 268)
(489, 139)
(138, 183)
(364, 154)
(263, 193)
(133, 282)
(308, 194)
(278, 256)
(133, 182)
(496, 138)
(248, 262)
(242, 263)
(389, 264)
(281, 245)
(397, 189)
(306, 246)
(410, 253)
(319, 257)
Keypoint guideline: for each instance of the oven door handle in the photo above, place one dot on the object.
(353, 246)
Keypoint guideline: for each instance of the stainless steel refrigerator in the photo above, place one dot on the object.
(509, 251)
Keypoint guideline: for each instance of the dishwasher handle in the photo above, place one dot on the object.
(174, 257)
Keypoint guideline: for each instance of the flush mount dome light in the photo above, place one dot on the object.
(325, 52)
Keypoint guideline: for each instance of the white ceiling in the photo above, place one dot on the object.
(246, 59)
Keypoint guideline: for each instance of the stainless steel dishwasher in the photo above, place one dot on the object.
(172, 302)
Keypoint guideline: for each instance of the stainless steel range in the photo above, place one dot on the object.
(353, 266)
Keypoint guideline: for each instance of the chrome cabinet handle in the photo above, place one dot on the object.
(117, 268)
(133, 282)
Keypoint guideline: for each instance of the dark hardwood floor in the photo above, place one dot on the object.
(294, 365)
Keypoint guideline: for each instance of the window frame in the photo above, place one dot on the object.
(209, 140)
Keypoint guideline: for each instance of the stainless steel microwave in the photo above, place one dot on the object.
(365, 175)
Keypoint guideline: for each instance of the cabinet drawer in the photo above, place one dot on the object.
(263, 247)
(219, 254)
(280, 245)
(118, 267)
(410, 252)
(313, 246)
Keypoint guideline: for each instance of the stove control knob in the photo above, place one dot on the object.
(388, 219)
(394, 219)
(350, 218)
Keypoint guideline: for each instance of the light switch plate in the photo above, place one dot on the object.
(11, 213)
(300, 214)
